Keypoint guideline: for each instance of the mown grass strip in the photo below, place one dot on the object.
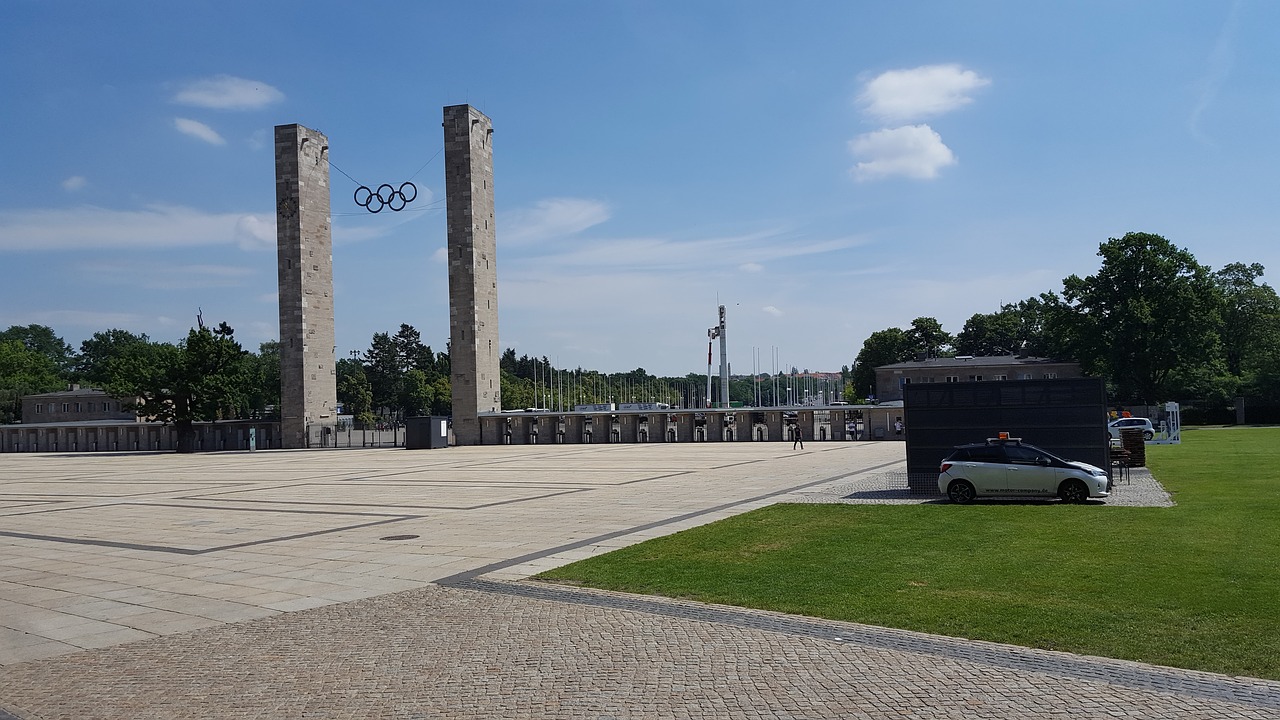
(1193, 586)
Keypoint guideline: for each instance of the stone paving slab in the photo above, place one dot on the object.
(116, 603)
(103, 547)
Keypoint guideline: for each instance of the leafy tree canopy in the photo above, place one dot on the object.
(883, 347)
(43, 340)
(23, 371)
(202, 378)
(96, 354)
(1149, 310)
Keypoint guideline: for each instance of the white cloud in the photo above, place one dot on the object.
(363, 227)
(225, 92)
(771, 310)
(643, 256)
(1217, 72)
(258, 139)
(86, 226)
(95, 319)
(73, 183)
(914, 151)
(551, 218)
(256, 232)
(198, 130)
(751, 267)
(906, 95)
(156, 275)
(441, 255)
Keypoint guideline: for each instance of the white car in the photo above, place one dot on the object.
(1004, 467)
(1132, 423)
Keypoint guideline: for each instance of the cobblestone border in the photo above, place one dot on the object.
(1133, 675)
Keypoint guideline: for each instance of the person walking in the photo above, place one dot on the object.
(799, 438)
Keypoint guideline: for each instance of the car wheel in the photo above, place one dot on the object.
(1148, 435)
(961, 492)
(1073, 491)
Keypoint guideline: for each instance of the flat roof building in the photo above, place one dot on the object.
(969, 368)
(76, 405)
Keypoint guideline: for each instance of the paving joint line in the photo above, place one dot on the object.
(537, 555)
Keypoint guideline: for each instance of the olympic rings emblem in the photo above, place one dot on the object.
(387, 196)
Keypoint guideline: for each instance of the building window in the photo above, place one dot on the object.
(77, 407)
(1001, 377)
(953, 378)
(975, 378)
(66, 407)
(1024, 376)
(1051, 376)
(39, 409)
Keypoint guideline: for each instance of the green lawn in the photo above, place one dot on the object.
(1193, 586)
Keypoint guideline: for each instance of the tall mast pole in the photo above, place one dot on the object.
(724, 361)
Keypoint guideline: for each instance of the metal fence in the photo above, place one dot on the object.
(347, 436)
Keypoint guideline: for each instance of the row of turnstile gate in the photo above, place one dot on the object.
(529, 428)
(136, 437)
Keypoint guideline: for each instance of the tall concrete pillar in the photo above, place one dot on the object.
(473, 270)
(304, 245)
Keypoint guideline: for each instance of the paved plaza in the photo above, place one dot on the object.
(392, 583)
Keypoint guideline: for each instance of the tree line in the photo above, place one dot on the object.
(209, 376)
(1154, 322)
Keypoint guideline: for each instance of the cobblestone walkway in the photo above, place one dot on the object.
(484, 649)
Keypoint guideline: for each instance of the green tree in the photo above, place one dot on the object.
(1249, 316)
(442, 398)
(354, 392)
(517, 392)
(411, 353)
(263, 373)
(988, 334)
(43, 340)
(928, 338)
(417, 394)
(1042, 326)
(1150, 310)
(883, 347)
(93, 367)
(202, 378)
(383, 368)
(23, 371)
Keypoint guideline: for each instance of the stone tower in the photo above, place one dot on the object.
(304, 245)
(473, 270)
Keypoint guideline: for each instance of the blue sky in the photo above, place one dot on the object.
(824, 169)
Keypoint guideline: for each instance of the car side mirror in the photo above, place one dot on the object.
(1042, 461)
